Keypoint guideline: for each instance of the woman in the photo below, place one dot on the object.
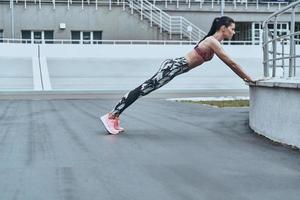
(222, 28)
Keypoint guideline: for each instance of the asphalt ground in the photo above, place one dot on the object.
(58, 149)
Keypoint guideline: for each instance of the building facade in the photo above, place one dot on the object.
(38, 21)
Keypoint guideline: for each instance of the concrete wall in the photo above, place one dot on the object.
(116, 24)
(123, 67)
(275, 110)
(16, 67)
(130, 65)
(204, 19)
(203, 16)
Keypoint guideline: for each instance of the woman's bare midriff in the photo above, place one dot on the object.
(193, 59)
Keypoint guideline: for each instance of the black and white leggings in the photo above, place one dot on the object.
(168, 70)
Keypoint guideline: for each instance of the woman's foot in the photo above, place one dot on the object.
(110, 124)
(117, 122)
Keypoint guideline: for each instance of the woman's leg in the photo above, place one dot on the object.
(168, 70)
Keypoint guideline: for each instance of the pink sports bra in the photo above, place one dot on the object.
(205, 55)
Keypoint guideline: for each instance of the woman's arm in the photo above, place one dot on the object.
(217, 48)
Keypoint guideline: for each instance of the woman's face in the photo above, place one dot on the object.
(229, 31)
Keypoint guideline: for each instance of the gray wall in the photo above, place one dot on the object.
(204, 19)
(116, 24)
(120, 67)
(274, 110)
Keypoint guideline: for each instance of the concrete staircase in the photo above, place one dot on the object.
(175, 26)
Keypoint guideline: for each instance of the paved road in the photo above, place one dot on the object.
(57, 149)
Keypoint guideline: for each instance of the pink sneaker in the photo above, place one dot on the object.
(117, 125)
(109, 124)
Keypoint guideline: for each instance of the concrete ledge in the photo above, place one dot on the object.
(275, 110)
(281, 83)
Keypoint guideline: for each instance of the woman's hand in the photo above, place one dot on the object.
(249, 80)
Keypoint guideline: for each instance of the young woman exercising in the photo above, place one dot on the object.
(222, 28)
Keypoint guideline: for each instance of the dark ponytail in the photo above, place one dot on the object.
(217, 24)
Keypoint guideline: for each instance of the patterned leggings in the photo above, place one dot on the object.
(168, 70)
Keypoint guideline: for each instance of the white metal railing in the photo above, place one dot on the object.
(166, 3)
(227, 3)
(95, 42)
(276, 41)
(172, 24)
(114, 42)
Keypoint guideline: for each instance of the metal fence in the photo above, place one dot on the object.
(178, 3)
(115, 42)
(227, 3)
(278, 48)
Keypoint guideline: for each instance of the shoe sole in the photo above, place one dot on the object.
(106, 127)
